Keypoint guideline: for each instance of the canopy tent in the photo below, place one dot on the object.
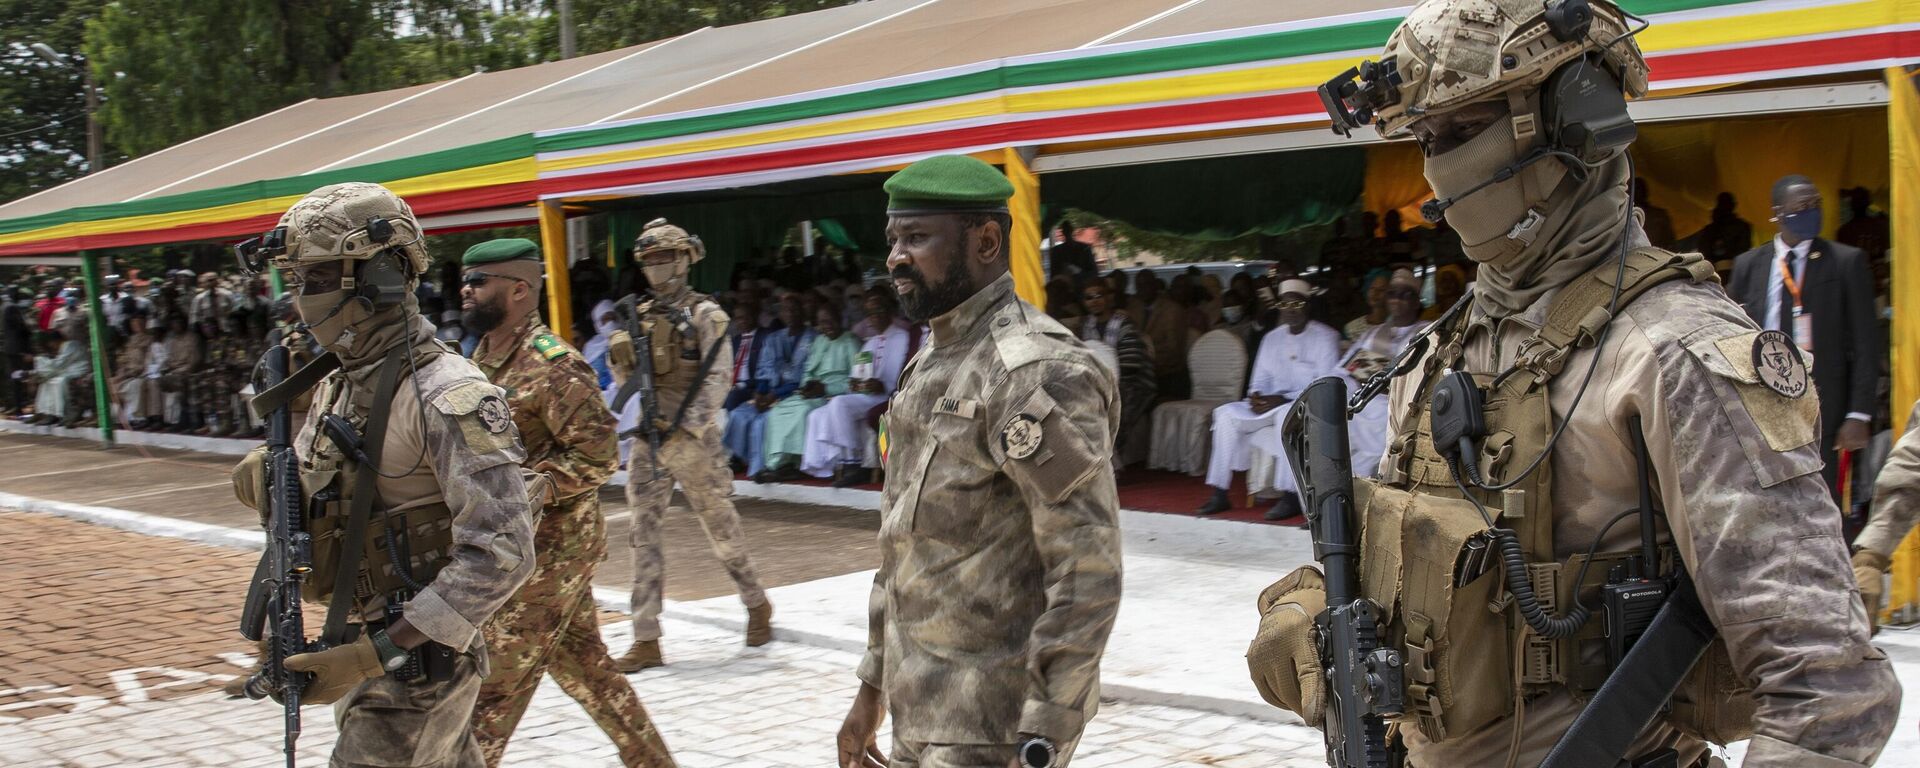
(1055, 87)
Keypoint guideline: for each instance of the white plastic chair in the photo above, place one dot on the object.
(1217, 362)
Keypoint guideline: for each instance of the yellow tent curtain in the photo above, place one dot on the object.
(1687, 165)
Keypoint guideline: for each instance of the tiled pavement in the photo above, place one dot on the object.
(112, 645)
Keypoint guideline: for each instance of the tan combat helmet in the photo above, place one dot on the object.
(659, 236)
(351, 221)
(1451, 53)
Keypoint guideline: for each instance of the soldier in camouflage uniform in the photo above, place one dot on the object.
(1729, 418)
(690, 349)
(999, 578)
(1896, 505)
(449, 508)
(550, 626)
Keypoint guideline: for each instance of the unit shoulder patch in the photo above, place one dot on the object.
(494, 414)
(1021, 437)
(1779, 364)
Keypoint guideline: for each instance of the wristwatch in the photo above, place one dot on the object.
(1038, 752)
(392, 656)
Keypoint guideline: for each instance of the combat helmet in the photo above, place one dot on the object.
(1448, 54)
(659, 236)
(353, 221)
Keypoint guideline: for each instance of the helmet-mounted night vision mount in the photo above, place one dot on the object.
(1353, 97)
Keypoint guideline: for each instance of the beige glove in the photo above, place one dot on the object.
(1283, 661)
(250, 482)
(1870, 570)
(337, 670)
(620, 358)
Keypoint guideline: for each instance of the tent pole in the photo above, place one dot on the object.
(97, 337)
(1029, 280)
(1903, 138)
(553, 242)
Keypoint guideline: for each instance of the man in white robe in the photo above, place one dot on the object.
(1291, 357)
(837, 432)
(1372, 352)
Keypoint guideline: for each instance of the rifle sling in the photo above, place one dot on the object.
(347, 571)
(699, 379)
(293, 385)
(1634, 695)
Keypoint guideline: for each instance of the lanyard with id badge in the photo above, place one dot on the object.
(1802, 319)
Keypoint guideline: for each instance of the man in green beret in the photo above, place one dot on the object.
(1000, 574)
(550, 625)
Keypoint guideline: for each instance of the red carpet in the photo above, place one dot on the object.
(1148, 490)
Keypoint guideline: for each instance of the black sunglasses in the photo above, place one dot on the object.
(476, 279)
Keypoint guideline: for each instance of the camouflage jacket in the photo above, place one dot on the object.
(1000, 551)
(1896, 494)
(565, 427)
(1736, 469)
(449, 441)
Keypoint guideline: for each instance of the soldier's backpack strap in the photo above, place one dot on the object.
(360, 507)
(1579, 311)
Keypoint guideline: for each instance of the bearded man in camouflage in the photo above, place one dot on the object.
(1000, 550)
(550, 626)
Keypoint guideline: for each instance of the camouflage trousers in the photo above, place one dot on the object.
(551, 627)
(700, 466)
(384, 722)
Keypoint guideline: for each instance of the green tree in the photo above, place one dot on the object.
(43, 125)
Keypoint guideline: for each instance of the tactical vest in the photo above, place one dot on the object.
(1430, 561)
(676, 353)
(423, 532)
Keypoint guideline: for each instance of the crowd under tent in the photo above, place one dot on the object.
(1182, 115)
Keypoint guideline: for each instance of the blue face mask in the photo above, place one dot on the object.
(1804, 224)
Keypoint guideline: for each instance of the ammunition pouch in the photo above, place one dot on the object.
(423, 533)
(1432, 565)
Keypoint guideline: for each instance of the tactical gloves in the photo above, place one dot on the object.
(337, 670)
(1283, 660)
(250, 482)
(1870, 570)
(620, 358)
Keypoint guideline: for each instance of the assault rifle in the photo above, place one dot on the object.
(1363, 677)
(640, 380)
(272, 609)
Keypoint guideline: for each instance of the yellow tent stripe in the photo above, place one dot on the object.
(508, 172)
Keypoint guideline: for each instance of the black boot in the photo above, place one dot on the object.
(1287, 512)
(850, 475)
(1215, 505)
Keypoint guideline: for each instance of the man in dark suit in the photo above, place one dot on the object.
(1820, 293)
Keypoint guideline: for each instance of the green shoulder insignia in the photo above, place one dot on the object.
(548, 346)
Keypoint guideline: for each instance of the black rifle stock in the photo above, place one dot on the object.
(1363, 678)
(273, 599)
(640, 382)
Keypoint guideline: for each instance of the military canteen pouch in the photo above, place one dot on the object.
(1426, 563)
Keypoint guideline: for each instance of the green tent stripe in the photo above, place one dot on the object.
(485, 153)
(1211, 53)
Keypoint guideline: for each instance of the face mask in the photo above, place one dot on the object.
(1231, 314)
(1485, 218)
(666, 278)
(328, 320)
(1803, 225)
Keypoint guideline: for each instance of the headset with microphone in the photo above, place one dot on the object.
(1583, 109)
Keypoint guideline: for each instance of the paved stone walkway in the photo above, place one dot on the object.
(112, 646)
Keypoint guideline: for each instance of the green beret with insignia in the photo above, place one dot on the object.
(505, 249)
(948, 184)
